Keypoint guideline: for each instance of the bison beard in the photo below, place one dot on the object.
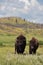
(20, 44)
(33, 46)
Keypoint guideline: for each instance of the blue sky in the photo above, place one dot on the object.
(31, 10)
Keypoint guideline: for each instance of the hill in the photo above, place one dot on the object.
(11, 27)
(14, 24)
(19, 22)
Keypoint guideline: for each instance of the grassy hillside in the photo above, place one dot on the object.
(11, 27)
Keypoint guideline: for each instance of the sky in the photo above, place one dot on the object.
(31, 10)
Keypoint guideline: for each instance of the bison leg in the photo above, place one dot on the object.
(34, 51)
(30, 51)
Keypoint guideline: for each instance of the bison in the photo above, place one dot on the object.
(20, 44)
(33, 45)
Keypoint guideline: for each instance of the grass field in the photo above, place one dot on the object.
(6, 40)
(7, 57)
(10, 28)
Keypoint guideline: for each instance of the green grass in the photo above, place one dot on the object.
(7, 57)
(9, 40)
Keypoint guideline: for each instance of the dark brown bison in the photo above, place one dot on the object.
(33, 46)
(20, 44)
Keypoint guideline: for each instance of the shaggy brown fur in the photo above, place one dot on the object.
(20, 44)
(33, 46)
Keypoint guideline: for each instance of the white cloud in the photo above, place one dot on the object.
(41, 7)
(9, 8)
(33, 4)
(34, 21)
(26, 6)
(25, 1)
(2, 7)
(36, 4)
(13, 8)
